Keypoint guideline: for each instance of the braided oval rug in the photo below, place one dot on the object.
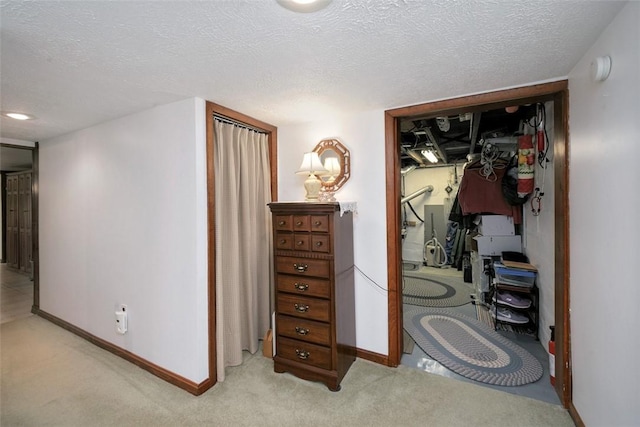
(470, 348)
(435, 292)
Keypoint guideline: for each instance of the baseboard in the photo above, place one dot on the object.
(372, 357)
(575, 416)
(168, 376)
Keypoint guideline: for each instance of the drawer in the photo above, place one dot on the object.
(283, 222)
(306, 286)
(303, 266)
(290, 241)
(304, 307)
(301, 222)
(304, 352)
(305, 330)
(320, 223)
(320, 243)
(301, 242)
(284, 241)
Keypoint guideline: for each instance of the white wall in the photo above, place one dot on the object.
(604, 202)
(363, 135)
(123, 220)
(539, 238)
(438, 177)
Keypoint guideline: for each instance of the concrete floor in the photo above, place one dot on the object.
(540, 390)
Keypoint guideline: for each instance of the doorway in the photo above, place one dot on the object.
(556, 92)
(271, 131)
(19, 179)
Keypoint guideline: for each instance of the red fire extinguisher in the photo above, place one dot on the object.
(552, 355)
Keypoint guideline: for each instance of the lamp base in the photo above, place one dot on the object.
(312, 185)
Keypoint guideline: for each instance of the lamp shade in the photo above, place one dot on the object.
(332, 165)
(311, 164)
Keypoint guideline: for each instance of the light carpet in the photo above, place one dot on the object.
(52, 377)
(471, 349)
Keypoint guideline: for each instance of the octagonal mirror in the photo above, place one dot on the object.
(336, 158)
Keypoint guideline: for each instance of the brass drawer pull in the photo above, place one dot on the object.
(301, 308)
(302, 331)
(300, 243)
(302, 354)
(283, 241)
(282, 223)
(301, 268)
(301, 287)
(299, 223)
(318, 244)
(318, 223)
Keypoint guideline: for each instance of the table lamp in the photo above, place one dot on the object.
(311, 165)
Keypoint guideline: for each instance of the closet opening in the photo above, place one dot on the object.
(217, 118)
(427, 148)
(19, 207)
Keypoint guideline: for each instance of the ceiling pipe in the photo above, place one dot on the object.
(436, 146)
(473, 138)
(406, 170)
(415, 156)
(423, 190)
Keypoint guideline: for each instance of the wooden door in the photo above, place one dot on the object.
(24, 221)
(18, 200)
(12, 222)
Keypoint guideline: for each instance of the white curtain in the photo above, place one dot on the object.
(243, 241)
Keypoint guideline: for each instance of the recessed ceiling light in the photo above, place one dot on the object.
(304, 6)
(18, 116)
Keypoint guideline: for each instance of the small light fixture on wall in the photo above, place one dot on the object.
(601, 68)
(311, 165)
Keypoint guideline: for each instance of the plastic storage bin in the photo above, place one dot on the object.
(514, 276)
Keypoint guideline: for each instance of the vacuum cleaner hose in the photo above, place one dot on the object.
(435, 248)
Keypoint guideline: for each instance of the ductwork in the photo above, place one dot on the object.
(413, 195)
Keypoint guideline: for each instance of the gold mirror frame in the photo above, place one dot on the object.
(328, 147)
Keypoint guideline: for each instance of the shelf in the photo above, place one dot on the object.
(531, 312)
(523, 289)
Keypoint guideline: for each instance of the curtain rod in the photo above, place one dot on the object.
(230, 121)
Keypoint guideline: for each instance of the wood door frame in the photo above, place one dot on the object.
(272, 135)
(35, 252)
(558, 93)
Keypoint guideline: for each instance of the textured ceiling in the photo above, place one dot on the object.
(74, 64)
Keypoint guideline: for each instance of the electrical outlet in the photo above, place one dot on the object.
(122, 323)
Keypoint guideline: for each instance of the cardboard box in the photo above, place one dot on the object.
(267, 345)
(495, 245)
(496, 225)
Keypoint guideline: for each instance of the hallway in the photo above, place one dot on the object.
(16, 295)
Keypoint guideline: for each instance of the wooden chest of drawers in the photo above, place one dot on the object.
(315, 307)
